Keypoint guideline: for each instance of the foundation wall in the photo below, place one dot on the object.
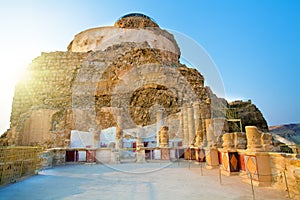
(18, 162)
(281, 170)
(288, 165)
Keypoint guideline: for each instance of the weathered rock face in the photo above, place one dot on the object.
(120, 81)
(146, 97)
(135, 21)
(249, 114)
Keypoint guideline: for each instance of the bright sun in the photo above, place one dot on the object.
(13, 65)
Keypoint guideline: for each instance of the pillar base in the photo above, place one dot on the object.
(140, 157)
(212, 158)
(230, 162)
(258, 164)
(115, 158)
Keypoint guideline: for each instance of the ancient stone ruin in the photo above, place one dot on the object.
(119, 76)
(120, 93)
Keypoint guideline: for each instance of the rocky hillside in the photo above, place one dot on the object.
(287, 133)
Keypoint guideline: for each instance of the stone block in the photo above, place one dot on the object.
(59, 156)
(258, 168)
(230, 163)
(140, 157)
(212, 159)
(46, 159)
(103, 155)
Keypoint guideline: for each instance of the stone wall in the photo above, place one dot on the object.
(290, 164)
(103, 38)
(42, 99)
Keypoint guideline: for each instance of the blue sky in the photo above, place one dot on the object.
(254, 44)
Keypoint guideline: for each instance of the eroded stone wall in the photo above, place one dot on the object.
(63, 91)
(249, 114)
(290, 165)
(42, 98)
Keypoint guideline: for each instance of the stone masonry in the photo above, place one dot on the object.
(132, 67)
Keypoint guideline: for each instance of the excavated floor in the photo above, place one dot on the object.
(156, 180)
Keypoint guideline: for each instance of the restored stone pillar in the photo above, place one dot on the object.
(159, 123)
(164, 136)
(191, 124)
(209, 132)
(185, 140)
(139, 138)
(199, 133)
(180, 132)
(140, 152)
(203, 121)
(96, 138)
(119, 131)
(196, 107)
(253, 138)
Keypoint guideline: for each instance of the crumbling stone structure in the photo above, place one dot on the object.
(117, 76)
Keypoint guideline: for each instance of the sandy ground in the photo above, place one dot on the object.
(135, 181)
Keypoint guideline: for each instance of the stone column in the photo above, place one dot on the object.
(202, 116)
(253, 138)
(119, 131)
(196, 107)
(96, 138)
(209, 132)
(140, 152)
(185, 139)
(191, 124)
(199, 133)
(140, 136)
(159, 123)
(180, 132)
(164, 136)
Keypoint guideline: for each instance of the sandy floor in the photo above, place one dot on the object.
(135, 181)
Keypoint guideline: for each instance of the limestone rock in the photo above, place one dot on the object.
(249, 114)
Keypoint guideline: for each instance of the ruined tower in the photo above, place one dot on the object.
(113, 76)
